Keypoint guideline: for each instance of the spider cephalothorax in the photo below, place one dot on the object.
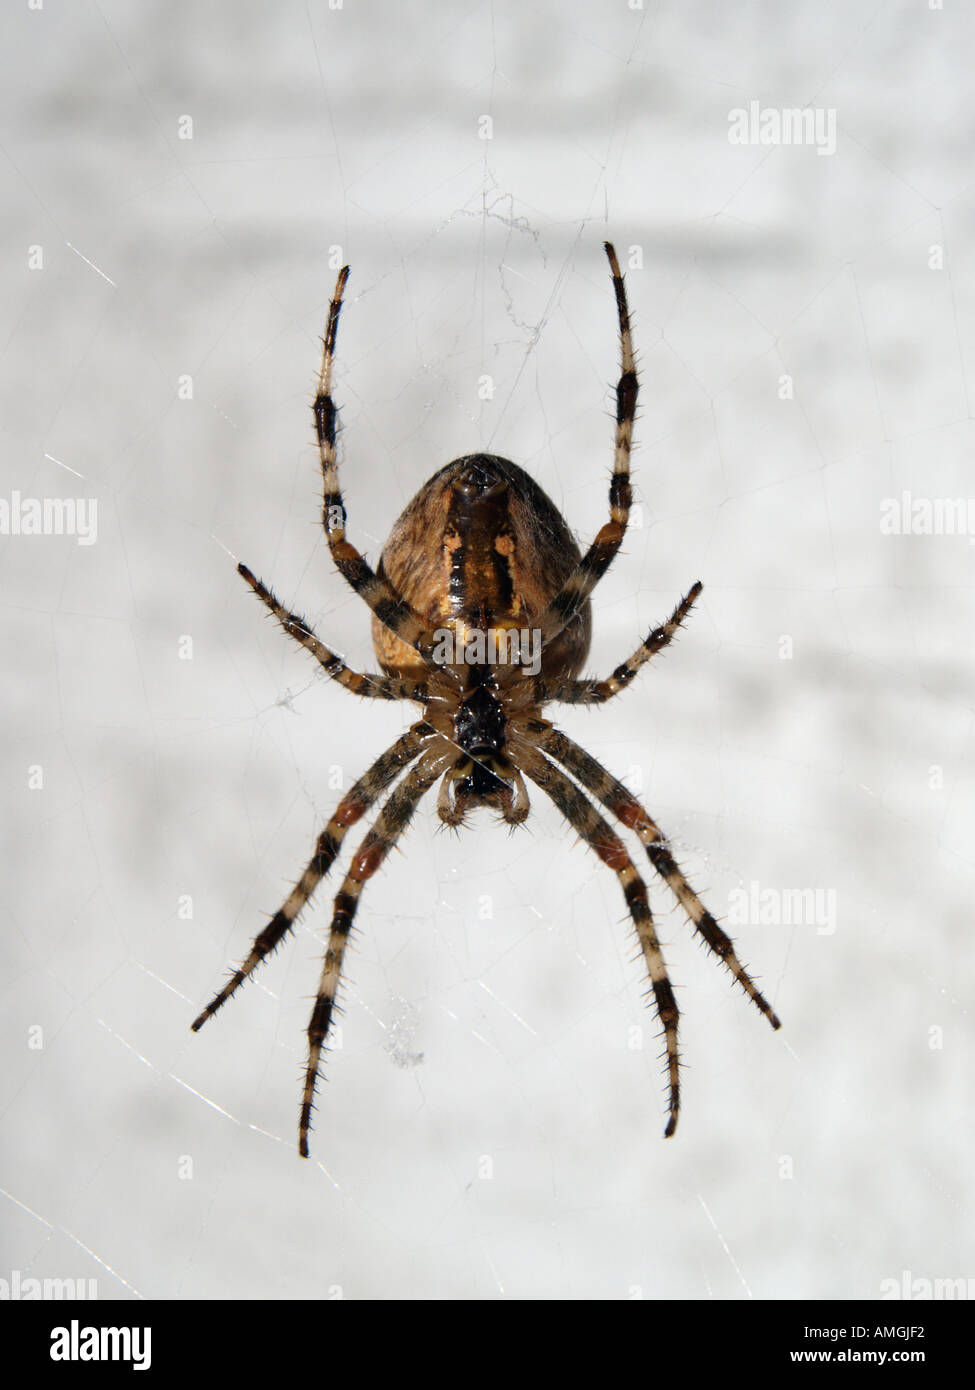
(481, 615)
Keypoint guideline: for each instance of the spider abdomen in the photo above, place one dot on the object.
(481, 549)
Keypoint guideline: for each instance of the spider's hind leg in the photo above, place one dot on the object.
(572, 596)
(378, 594)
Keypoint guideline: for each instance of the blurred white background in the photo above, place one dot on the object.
(179, 182)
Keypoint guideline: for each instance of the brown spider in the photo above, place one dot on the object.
(481, 615)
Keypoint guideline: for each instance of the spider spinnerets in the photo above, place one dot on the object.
(481, 615)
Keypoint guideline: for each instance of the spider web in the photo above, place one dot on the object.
(492, 1121)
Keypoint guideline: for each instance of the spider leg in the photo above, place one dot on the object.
(359, 682)
(576, 590)
(623, 804)
(351, 808)
(391, 610)
(589, 824)
(392, 820)
(593, 692)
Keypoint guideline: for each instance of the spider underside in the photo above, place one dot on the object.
(479, 573)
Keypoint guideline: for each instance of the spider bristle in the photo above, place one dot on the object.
(638, 955)
(443, 826)
(650, 999)
(664, 1059)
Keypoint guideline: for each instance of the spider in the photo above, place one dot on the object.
(481, 615)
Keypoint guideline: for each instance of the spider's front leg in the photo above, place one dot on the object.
(351, 808)
(392, 820)
(590, 826)
(618, 799)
